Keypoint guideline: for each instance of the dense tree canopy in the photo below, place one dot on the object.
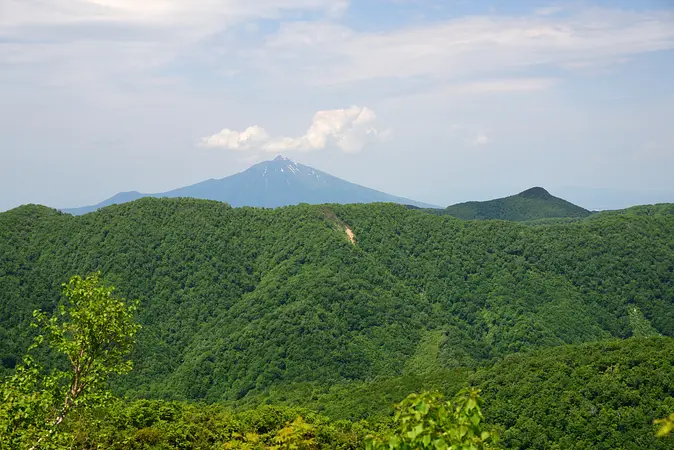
(247, 306)
(532, 204)
(236, 300)
(599, 395)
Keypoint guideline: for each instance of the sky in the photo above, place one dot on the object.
(441, 101)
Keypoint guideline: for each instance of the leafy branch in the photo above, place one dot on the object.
(95, 333)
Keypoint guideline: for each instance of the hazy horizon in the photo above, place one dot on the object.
(437, 101)
(594, 199)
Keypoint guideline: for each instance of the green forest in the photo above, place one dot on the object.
(532, 204)
(303, 326)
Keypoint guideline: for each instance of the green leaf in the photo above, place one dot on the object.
(440, 444)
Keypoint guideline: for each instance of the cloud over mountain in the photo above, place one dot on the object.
(236, 140)
(348, 129)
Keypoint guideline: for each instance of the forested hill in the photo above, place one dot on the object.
(237, 300)
(532, 204)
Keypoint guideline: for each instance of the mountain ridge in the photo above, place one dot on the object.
(256, 306)
(268, 184)
(531, 204)
(237, 300)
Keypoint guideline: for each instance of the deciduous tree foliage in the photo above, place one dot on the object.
(666, 425)
(601, 395)
(236, 301)
(246, 306)
(92, 335)
(426, 421)
(159, 424)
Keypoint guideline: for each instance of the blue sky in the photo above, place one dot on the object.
(440, 101)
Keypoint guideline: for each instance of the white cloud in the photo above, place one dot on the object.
(490, 45)
(236, 140)
(127, 39)
(161, 12)
(348, 129)
(338, 8)
(480, 140)
(504, 85)
(454, 92)
(549, 10)
(103, 41)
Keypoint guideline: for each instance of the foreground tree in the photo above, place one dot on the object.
(93, 334)
(427, 421)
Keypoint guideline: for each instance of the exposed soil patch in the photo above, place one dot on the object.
(349, 233)
(338, 223)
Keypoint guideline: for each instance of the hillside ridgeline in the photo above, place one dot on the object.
(235, 301)
(532, 204)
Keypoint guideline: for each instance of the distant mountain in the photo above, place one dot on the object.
(270, 184)
(532, 204)
(607, 199)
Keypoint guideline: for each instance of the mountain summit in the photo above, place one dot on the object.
(270, 184)
(536, 192)
(534, 203)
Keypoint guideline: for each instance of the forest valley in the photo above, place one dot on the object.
(371, 326)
